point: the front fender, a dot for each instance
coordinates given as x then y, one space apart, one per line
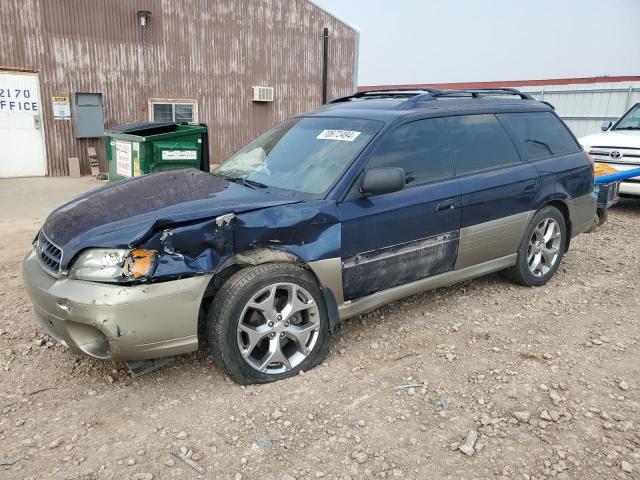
303 233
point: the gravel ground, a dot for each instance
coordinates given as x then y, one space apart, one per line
482 380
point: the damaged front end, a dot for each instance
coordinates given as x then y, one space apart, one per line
137 288
192 249
115 321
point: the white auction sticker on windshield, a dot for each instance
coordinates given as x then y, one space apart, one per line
344 135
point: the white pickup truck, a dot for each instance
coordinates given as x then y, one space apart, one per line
618 146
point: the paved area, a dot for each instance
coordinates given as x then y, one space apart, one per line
35 197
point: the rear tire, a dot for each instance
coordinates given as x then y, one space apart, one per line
542 248
268 322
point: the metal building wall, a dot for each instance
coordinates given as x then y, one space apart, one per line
211 51
585 107
584 103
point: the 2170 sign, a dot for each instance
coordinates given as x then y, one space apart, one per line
17 100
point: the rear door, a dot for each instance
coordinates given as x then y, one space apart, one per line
498 188
396 238
565 171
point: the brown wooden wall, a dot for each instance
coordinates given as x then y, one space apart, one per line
212 51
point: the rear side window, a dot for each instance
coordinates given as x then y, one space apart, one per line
421 148
541 133
480 142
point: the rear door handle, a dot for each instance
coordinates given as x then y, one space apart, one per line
530 186
446 205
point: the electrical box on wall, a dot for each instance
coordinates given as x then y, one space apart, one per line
262 94
88 116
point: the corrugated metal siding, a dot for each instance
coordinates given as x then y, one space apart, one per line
585 107
584 103
212 51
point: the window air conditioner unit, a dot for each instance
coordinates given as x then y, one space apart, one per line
262 94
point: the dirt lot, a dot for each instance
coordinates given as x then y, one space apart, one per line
528 383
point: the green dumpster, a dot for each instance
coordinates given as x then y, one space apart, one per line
138 148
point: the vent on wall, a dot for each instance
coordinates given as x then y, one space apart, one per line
262 94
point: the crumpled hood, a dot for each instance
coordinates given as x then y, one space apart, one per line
121 214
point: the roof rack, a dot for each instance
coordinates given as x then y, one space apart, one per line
418 94
388 93
478 92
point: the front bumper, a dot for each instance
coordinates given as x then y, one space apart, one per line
630 188
117 322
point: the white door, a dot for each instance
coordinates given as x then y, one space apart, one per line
21 141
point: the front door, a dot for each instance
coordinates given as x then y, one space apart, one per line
397 238
21 141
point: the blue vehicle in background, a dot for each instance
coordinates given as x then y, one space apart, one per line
377 196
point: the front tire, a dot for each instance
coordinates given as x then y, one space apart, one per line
541 250
268 322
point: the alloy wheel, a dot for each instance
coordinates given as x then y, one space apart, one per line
544 247
278 328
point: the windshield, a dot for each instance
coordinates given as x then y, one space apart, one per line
306 155
631 121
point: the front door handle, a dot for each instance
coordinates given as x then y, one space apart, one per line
446 205
530 186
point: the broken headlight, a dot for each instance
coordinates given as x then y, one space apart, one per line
113 265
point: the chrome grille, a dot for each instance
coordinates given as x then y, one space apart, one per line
620 158
615 155
49 255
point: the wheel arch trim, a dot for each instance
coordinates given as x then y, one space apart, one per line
562 203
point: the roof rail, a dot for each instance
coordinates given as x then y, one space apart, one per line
416 95
478 92
387 93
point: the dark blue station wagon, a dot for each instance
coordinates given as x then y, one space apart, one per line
375 197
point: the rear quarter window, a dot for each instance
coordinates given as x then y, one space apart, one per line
541 134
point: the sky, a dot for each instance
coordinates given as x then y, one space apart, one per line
434 41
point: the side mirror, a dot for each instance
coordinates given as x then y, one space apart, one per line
382 180
606 125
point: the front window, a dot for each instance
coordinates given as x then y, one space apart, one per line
421 148
306 155
631 121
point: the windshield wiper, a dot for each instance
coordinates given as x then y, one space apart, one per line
248 183
627 128
253 183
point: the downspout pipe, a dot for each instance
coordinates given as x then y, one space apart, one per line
325 63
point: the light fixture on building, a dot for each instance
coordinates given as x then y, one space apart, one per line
144 17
